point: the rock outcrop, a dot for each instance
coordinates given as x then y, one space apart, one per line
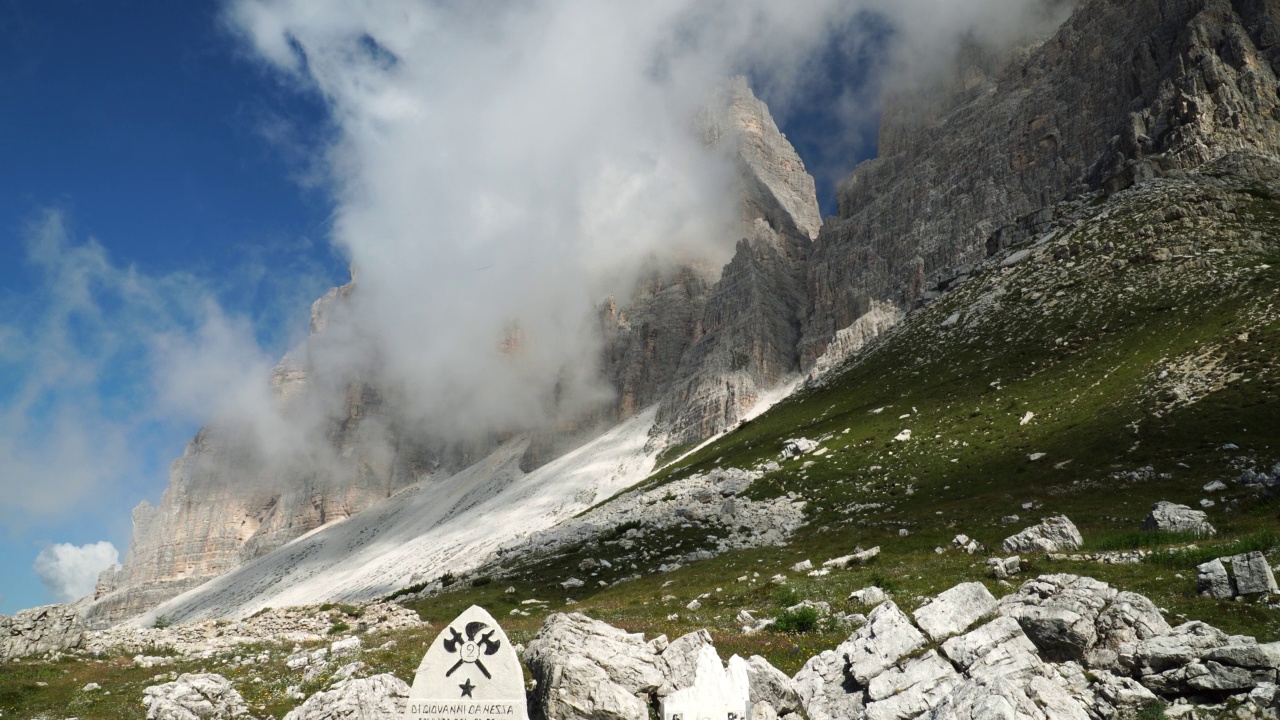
198 696
646 339
1122 92
746 337
773 182
1062 646
586 669
716 501
1172 517
380 696
51 628
1253 574
1052 535
704 341
955 610
1212 580
1082 619
230 498
292 625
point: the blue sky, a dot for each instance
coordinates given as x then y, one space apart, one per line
146 128
154 170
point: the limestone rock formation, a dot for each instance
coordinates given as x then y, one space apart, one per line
747 340
879 319
1253 574
382 695
955 610
1015 666
1052 535
878 645
231 498
587 669
1212 580
745 336
706 341
774 183
1000 659
202 696
1120 93
290 625
646 338
1082 619
50 628
1172 517
770 686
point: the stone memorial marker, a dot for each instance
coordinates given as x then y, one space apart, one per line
470 672
716 693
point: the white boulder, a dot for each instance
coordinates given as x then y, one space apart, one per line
379 696
199 696
1054 534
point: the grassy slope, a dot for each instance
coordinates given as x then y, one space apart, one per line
1081 346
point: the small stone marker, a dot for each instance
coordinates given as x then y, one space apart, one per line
470 672
716 693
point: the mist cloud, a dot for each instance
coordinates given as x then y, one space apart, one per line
499 168
70 572
105 358
508 165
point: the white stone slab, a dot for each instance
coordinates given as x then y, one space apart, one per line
716 693
470 672
952 612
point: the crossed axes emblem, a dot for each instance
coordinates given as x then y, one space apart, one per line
470 648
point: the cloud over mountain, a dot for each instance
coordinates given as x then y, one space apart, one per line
508 165
69 571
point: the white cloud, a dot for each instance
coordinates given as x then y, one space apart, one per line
501 164
495 165
105 359
69 572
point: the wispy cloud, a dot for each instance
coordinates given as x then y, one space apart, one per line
493 165
509 164
96 356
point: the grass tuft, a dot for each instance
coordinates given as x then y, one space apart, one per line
1261 540
797 621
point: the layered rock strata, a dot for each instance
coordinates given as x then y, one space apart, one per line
706 341
1062 646
51 628
711 344
1123 92
234 495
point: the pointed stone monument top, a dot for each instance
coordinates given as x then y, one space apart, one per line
470 672
717 693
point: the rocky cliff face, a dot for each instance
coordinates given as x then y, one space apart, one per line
745 340
707 342
47 629
646 339
749 330
228 502
1121 93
